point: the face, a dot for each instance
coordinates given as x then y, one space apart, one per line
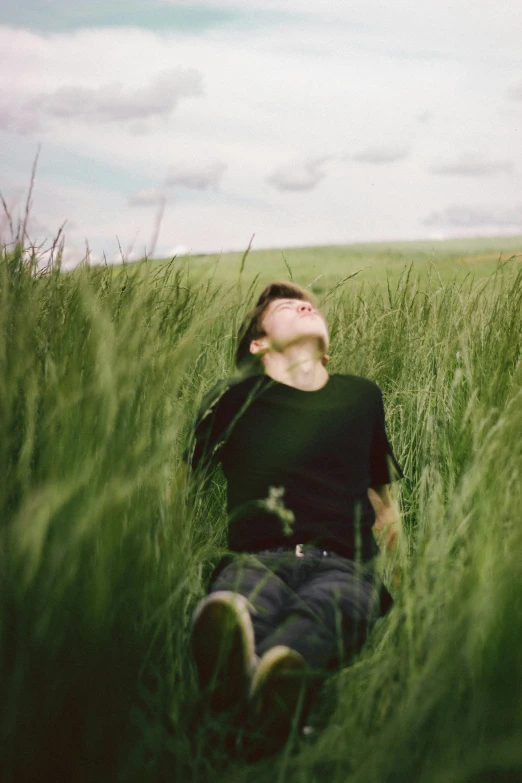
287 321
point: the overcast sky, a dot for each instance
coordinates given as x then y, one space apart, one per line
300 121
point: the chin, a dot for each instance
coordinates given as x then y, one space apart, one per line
325 345
315 330
319 335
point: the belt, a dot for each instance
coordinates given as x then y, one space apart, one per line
302 550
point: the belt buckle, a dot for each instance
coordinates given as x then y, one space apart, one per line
299 550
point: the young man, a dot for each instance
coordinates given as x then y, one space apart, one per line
307 463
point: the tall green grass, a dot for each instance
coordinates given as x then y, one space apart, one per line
103 554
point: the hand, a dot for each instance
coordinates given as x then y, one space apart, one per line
386 523
397 575
391 535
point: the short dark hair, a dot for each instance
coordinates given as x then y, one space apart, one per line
252 327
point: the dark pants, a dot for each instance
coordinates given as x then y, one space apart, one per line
320 604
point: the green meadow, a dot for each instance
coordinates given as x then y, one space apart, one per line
326 266
104 553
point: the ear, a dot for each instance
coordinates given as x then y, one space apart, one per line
261 344
325 360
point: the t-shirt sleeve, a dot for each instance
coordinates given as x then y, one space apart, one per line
201 448
384 468
205 442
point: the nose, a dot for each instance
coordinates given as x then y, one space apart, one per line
303 306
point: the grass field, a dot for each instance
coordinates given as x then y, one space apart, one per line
103 557
368 262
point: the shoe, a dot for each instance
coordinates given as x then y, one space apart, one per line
279 701
224 649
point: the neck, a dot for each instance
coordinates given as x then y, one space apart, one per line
300 365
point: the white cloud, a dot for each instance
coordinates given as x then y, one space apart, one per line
381 155
18 118
471 167
304 175
193 175
117 103
482 218
425 117
174 251
516 92
148 197
197 175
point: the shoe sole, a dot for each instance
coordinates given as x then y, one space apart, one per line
278 701
223 649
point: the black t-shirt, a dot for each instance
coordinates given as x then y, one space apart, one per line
298 463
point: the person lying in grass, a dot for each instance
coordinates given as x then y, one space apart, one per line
308 464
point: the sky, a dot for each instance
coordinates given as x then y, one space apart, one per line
166 126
